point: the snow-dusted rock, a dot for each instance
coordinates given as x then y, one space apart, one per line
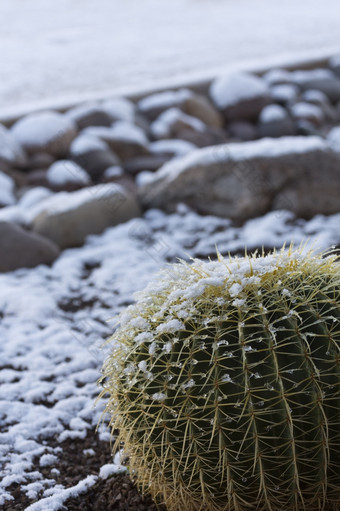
67 218
243 180
11 152
120 109
48 131
277 77
66 172
174 123
195 105
201 107
92 154
304 111
320 79
23 249
274 121
319 98
89 114
240 96
285 93
155 104
124 138
7 187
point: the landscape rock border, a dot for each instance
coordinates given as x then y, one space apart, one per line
206 146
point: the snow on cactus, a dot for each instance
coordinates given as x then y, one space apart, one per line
224 384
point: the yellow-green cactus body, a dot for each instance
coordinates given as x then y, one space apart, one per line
224 383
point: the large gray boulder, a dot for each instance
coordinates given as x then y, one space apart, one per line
244 180
67 218
24 249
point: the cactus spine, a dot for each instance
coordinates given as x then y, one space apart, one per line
224 384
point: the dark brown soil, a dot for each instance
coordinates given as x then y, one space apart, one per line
117 493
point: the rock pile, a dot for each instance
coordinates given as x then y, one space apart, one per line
250 145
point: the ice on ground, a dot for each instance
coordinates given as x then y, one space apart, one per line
231 89
7 187
66 171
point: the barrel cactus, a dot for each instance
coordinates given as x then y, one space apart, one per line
224 384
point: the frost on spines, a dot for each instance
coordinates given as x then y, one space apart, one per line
224 382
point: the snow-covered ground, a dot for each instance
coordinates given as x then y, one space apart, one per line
71 47
53 322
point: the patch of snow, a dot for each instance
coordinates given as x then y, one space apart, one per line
56 501
172 326
7 187
47 459
272 113
164 100
111 469
66 171
232 89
